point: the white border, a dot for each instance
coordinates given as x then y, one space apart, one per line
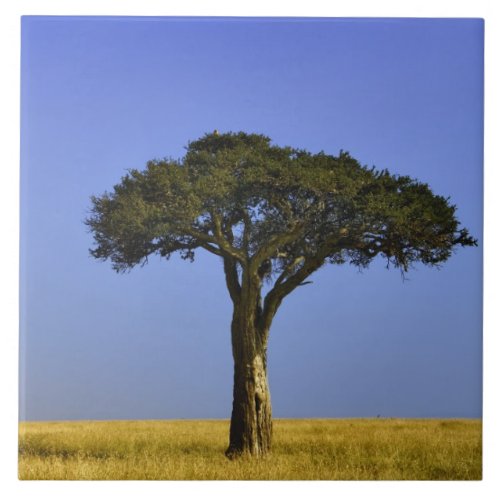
9 184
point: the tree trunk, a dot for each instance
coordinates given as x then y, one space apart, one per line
251 426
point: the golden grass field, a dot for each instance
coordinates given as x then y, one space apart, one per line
349 449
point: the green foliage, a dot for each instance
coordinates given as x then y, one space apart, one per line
281 210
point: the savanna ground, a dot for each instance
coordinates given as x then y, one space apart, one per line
351 449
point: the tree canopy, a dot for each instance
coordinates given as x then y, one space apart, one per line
281 210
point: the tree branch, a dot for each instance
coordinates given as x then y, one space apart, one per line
223 243
202 237
288 269
275 242
247 224
285 285
217 245
232 282
281 290
211 249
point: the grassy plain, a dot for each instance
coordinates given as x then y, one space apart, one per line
350 449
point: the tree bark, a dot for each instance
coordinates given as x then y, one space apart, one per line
251 425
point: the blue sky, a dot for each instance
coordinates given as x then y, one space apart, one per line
101 95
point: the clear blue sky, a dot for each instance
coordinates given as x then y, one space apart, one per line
101 95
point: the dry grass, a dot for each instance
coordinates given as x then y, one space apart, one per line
302 449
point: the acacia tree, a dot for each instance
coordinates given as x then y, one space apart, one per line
273 215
